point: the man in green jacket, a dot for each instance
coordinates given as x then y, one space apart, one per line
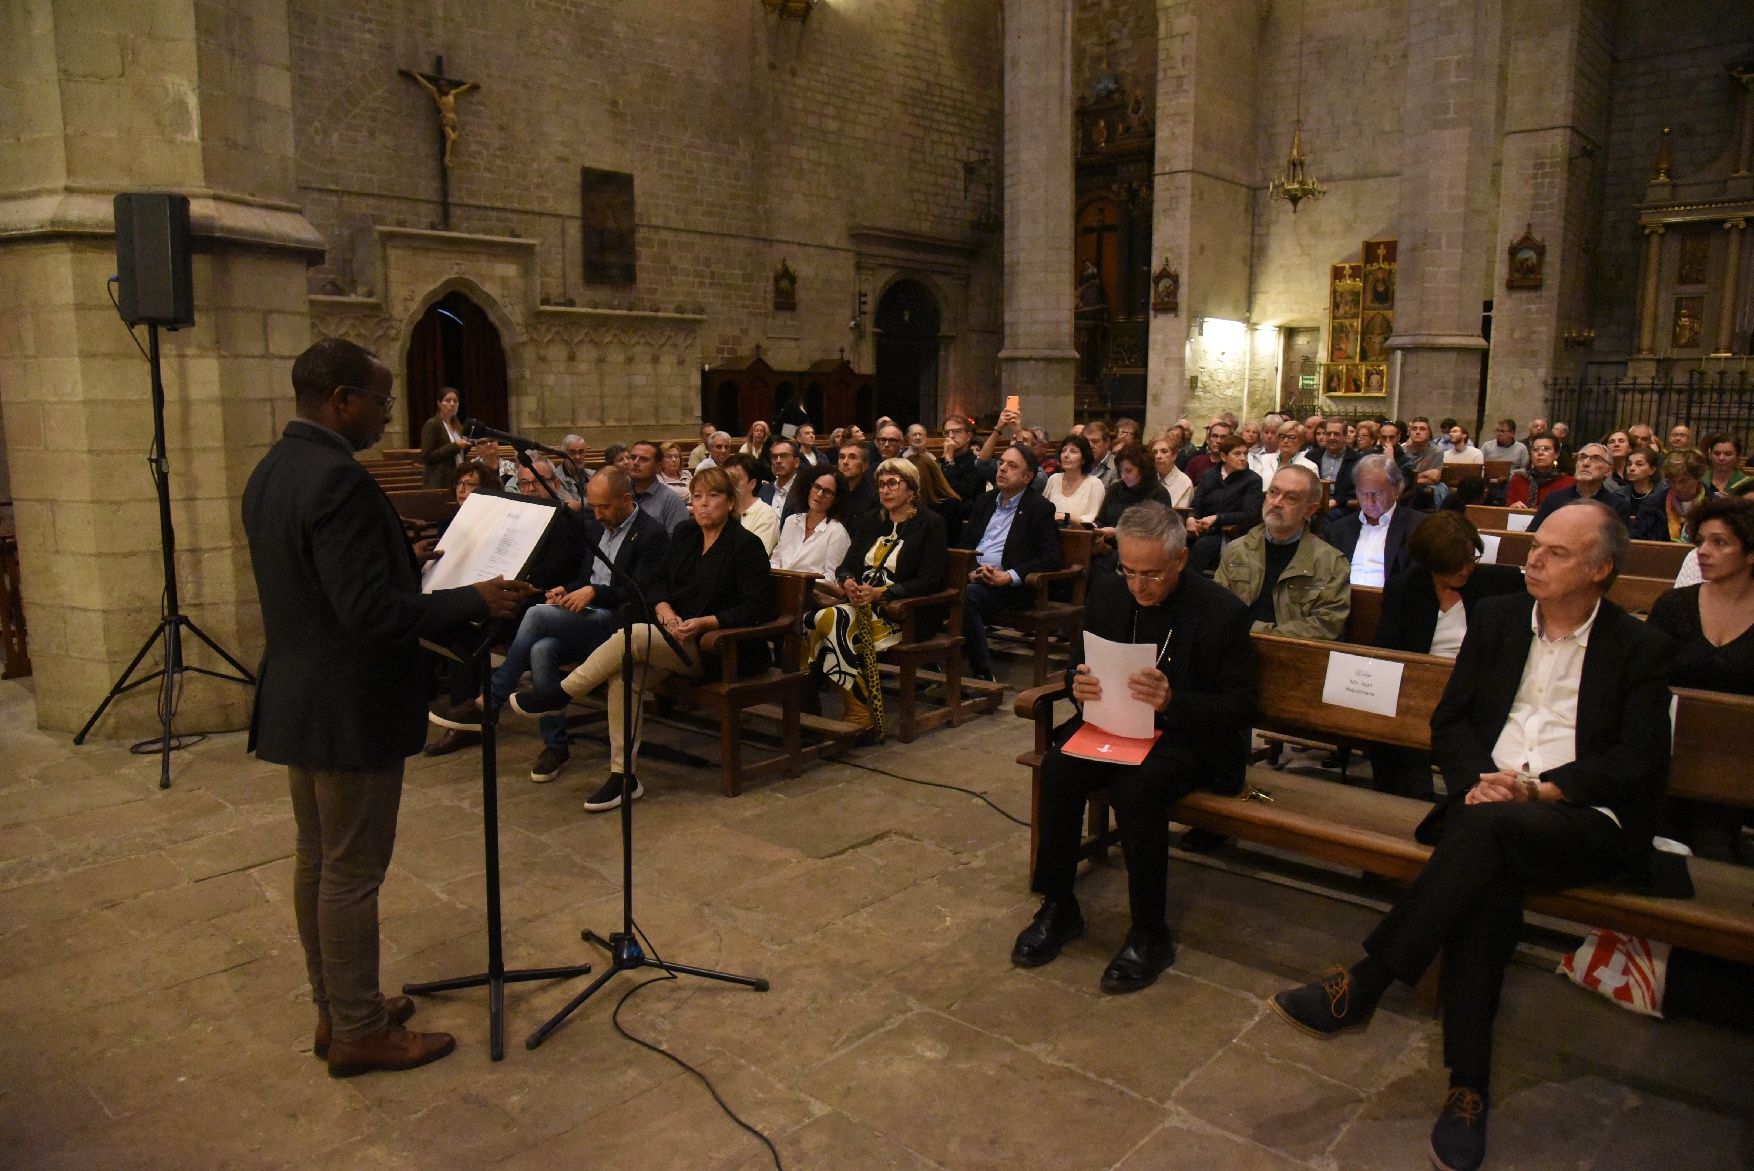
1294 583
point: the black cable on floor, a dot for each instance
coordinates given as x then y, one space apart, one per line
981 797
615 1019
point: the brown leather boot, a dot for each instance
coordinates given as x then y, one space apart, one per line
858 713
390 1048
400 1009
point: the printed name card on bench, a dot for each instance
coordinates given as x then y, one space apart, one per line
1362 683
1518 522
1489 554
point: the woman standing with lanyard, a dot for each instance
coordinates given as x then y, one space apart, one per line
442 444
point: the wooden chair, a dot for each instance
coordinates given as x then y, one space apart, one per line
1044 617
1456 475
906 658
776 693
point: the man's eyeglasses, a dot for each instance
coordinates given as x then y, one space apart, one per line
1147 577
385 400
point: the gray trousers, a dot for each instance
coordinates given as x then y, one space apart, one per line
346 830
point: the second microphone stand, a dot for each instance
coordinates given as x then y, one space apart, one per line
623 946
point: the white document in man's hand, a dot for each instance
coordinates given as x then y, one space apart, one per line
491 536
1117 712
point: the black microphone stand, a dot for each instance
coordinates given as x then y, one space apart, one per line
174 621
625 952
495 977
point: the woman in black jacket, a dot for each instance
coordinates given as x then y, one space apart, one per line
898 551
1136 481
1425 610
715 577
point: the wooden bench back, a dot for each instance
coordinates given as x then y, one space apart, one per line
1366 611
1289 673
431 505
1711 747
1635 595
1654 559
1488 516
1454 474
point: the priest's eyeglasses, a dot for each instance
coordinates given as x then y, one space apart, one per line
1147 576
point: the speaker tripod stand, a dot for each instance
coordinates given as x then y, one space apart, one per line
174 623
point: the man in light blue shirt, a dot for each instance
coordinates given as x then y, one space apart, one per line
1013 533
653 498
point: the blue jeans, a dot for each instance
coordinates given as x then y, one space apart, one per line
547 638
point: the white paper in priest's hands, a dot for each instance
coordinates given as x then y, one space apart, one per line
1117 712
491 536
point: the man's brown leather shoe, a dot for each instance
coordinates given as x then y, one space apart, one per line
390 1048
399 1008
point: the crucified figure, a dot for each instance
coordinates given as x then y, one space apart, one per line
444 94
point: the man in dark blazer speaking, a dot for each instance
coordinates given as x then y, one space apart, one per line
1202 688
339 697
1012 533
1553 739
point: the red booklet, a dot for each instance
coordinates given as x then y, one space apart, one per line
1092 743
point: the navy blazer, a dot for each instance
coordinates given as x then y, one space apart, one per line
640 557
1032 545
1622 759
1343 492
1342 534
342 684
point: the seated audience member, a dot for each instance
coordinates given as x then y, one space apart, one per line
615 456
1102 462
1075 494
468 478
1506 446
573 465
1422 460
937 494
653 498
916 441
756 443
814 540
1680 437
1374 539
1135 482
1561 433
897 551
1725 456
1548 789
1460 450
1589 482
1176 484
1334 465
1641 477
702 450
1663 515
854 464
673 472
1127 432
1250 433
808 456
962 468
1293 582
1226 499
1207 457
784 491
1202 689
1425 610
1012 532
714 576
756 516
1530 488
1619 445
1286 449
719 448
1644 435
1712 624
577 616
1047 456
886 443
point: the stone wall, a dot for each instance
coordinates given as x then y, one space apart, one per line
752 141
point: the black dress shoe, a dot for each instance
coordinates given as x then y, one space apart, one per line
1058 923
1324 1009
1139 962
1458 1140
451 741
533 702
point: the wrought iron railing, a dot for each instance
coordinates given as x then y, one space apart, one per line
1594 408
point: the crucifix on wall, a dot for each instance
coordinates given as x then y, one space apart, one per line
444 92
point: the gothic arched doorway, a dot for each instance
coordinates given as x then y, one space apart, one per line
907 327
455 344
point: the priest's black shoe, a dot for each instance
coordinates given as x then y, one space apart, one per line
1458 1141
1058 923
1140 961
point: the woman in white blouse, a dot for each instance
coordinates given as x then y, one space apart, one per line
1075 495
815 540
1175 481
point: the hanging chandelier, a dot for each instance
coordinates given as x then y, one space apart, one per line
1296 184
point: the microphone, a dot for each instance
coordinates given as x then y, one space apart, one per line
476 429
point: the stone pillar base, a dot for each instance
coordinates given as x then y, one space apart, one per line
1043 381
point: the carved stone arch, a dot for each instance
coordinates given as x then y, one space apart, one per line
490 401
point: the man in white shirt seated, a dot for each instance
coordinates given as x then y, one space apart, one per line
786 493
1553 740
1374 539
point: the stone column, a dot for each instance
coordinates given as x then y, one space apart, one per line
1450 142
1203 203
1038 363
1647 290
1556 103
1731 295
1745 140
170 96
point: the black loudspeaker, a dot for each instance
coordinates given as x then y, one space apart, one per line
152 259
